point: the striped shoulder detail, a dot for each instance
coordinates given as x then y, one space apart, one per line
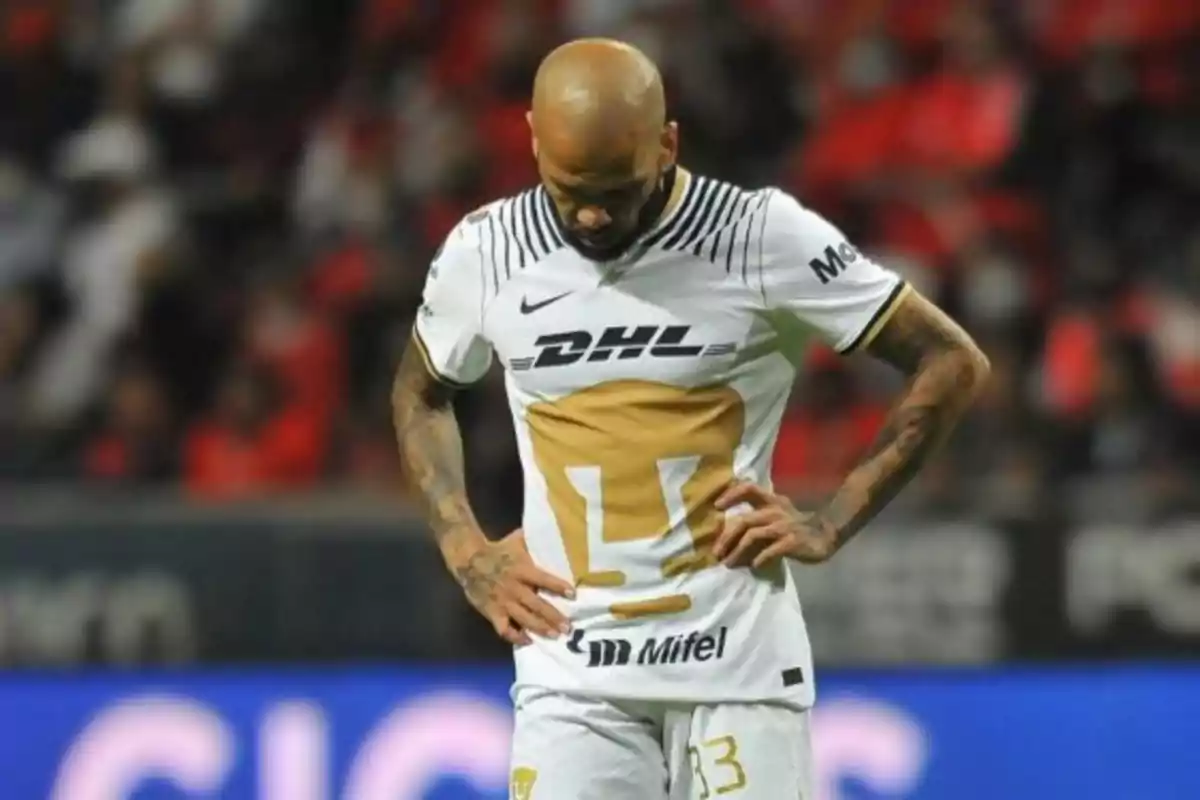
748 236
716 221
518 231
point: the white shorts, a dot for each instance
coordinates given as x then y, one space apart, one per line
568 747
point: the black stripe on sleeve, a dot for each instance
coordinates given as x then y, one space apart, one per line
720 219
511 240
524 228
737 215
698 189
482 276
758 209
880 313
762 236
429 367
685 203
536 224
492 236
550 215
704 203
707 223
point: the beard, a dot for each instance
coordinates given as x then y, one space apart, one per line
607 247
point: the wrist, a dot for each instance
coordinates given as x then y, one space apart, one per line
828 531
460 544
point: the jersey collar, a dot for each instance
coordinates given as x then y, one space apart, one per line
655 217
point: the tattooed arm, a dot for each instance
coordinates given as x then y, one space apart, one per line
431 453
945 372
447 349
499 578
812 275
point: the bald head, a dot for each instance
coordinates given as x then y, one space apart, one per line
600 129
597 94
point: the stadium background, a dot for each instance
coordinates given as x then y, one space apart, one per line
215 218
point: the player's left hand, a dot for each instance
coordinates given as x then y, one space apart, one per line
771 530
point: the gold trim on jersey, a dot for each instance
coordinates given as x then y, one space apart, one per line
880 318
428 361
681 199
633 460
671 604
683 179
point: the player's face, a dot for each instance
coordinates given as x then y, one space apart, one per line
602 207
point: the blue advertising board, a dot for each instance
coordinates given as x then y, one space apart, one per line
1105 733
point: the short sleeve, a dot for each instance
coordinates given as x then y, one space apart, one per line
810 271
449 327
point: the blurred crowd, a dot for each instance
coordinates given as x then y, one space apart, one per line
216 216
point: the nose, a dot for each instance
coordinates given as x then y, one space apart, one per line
592 218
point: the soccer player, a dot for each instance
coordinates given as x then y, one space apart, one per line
649 322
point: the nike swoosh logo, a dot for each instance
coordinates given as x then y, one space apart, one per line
528 307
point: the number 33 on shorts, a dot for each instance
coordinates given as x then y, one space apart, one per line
717 758
742 766
713 769
743 751
576 748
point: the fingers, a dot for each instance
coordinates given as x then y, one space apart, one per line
526 572
549 621
529 622
540 579
508 631
515 608
743 492
758 536
751 542
736 526
775 551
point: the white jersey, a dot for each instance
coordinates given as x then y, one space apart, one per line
639 389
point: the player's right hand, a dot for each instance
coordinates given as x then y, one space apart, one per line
503 583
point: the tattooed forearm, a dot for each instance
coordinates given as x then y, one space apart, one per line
946 371
498 578
431 449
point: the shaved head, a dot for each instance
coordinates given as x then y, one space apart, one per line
601 137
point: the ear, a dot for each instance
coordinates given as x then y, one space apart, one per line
532 136
670 143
